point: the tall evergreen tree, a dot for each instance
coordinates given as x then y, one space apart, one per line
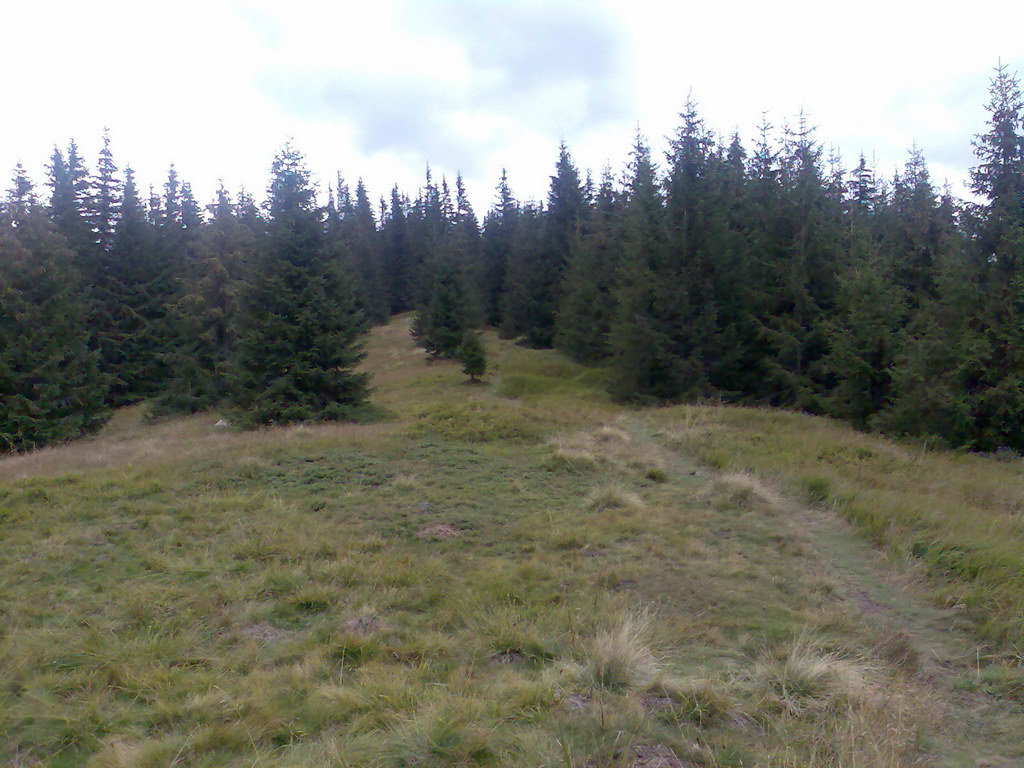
522 297
399 268
441 321
70 202
918 227
999 175
563 228
202 317
106 198
498 234
464 248
300 331
801 280
361 245
864 336
646 365
50 386
588 301
961 375
133 298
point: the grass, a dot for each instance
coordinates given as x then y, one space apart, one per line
514 574
960 515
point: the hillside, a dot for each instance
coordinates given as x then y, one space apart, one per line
517 573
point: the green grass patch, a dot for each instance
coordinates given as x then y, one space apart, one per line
520 577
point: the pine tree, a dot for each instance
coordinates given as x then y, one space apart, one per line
203 315
588 301
499 231
50 386
441 321
365 258
961 374
521 301
801 275
69 205
21 196
398 261
106 198
864 336
562 230
918 227
645 362
132 300
300 332
464 249
999 175
473 356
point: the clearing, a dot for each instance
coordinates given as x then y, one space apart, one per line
518 573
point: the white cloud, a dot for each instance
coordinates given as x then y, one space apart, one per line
377 90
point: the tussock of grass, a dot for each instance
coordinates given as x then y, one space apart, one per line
571 454
610 434
619 659
612 497
743 490
441 739
700 701
805 678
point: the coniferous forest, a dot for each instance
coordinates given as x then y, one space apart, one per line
769 273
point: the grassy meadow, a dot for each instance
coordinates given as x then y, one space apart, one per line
515 573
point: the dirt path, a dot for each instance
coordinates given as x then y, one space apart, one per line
978 729
943 659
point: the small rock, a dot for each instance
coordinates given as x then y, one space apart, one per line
222 423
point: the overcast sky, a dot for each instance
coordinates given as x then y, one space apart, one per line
378 89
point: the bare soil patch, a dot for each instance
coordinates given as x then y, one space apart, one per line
438 532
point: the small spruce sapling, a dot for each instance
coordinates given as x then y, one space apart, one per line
472 355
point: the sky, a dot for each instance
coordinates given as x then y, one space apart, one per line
377 90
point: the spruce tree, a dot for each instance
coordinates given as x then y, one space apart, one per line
961 374
300 331
918 227
645 363
498 232
999 175
106 198
133 296
50 386
464 248
588 301
523 298
801 274
864 336
562 230
441 321
473 356
203 315
70 204
398 265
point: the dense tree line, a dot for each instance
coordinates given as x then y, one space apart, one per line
770 274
